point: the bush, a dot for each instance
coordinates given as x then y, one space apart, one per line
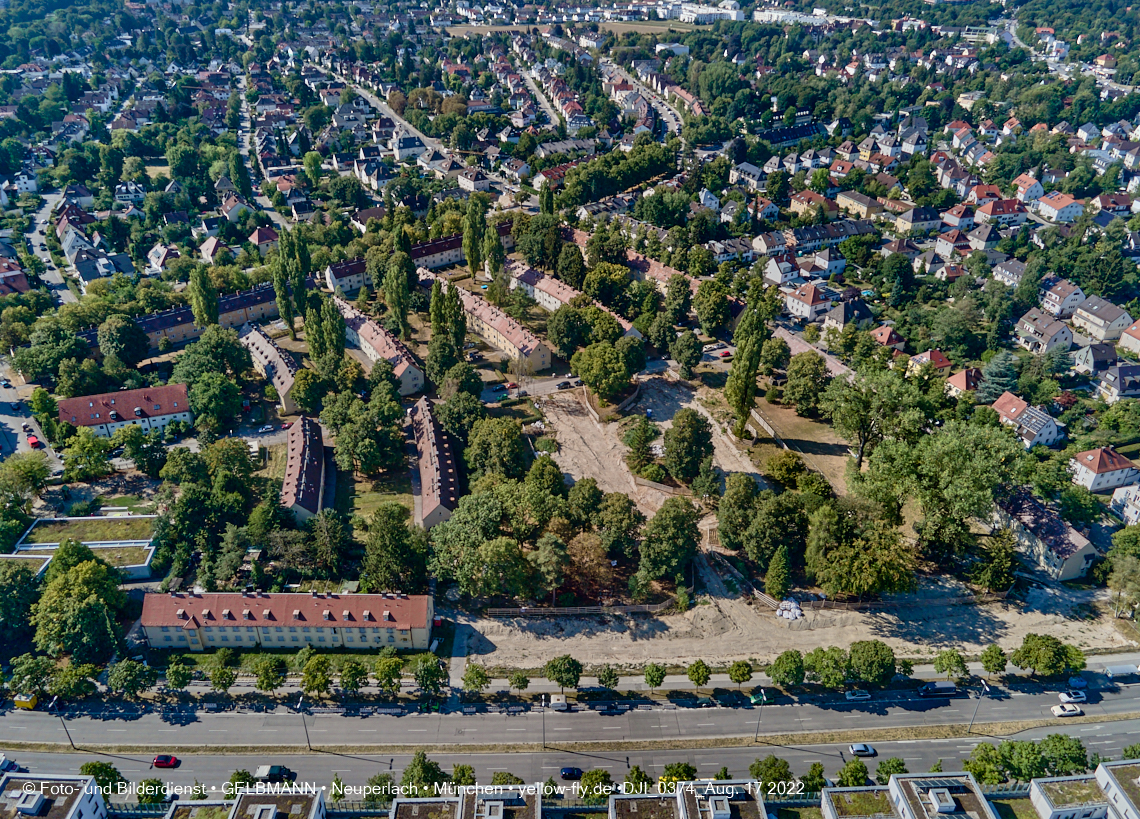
655 473
85 508
546 444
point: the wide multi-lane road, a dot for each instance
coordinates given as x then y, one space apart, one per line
902 711
213 768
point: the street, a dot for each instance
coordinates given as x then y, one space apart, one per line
244 143
669 115
52 276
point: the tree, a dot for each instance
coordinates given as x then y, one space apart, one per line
222 678
951 663
871 661
787 669
740 672
75 614
770 771
463 776
1064 755
495 446
654 675
203 297
519 681
564 671
601 368
852 775
216 401
698 673
19 589
75 682
85 456
429 675
993 659
397 295
570 267
316 676
596 786
871 407
106 775
887 768
774 355
130 678
995 571
270 674
711 306
607 677
120 337
30 675
736 509
353 677
239 780
686 351
422 776
688 441
475 678
827 666
776 580
638 781
388 673
151 792
474 227
678 772
1045 654
670 540
814 780
998 376
751 333
807 379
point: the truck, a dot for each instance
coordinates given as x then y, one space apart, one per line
1114 671
939 688
272 773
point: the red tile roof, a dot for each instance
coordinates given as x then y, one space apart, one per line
1103 460
151 402
377 610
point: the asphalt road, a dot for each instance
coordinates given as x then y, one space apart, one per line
52 276
245 143
284 727
667 113
214 768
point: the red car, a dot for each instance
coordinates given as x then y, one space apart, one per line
165 761
34 442
725 354
512 386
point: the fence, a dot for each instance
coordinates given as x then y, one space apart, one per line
862 605
570 611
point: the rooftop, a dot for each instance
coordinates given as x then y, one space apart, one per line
1072 791
860 802
91 530
60 795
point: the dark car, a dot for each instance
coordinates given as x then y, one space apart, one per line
577 382
563 385
165 761
571 773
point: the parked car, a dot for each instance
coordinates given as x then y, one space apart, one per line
34 442
165 761
726 354
1078 682
571 773
1066 710
7 764
6 384
857 695
1073 696
861 749
577 382
266 428
563 385
511 385
273 773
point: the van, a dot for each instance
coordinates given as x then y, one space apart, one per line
941 688
1114 671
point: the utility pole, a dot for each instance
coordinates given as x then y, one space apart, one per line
63 722
985 690
304 724
544 722
759 714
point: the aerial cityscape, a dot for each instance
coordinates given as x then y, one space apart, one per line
638 409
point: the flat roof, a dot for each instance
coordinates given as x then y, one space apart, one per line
61 794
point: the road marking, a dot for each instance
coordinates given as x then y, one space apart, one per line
218 730
563 729
420 730
366 730
705 724
116 730
516 729
612 728
342 770
267 730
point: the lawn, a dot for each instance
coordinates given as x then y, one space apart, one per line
115 555
247 660
815 441
155 171
799 813
276 455
134 504
92 530
1076 792
362 496
866 803
1014 808
523 411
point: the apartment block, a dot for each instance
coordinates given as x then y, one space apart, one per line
378 344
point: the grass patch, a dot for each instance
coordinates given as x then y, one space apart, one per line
135 504
363 496
276 456
1074 792
247 660
91 530
116 555
799 813
865 803
155 171
1014 808
522 411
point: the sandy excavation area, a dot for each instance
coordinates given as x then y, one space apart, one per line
722 630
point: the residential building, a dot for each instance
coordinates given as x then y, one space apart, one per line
1126 504
497 328
189 620
551 293
1121 381
724 799
888 337
275 365
1095 358
506 802
1010 272
151 408
55 796
1069 797
438 486
808 302
1042 535
1033 425
1028 188
1060 297
303 487
935 358
264 239
918 220
474 179
807 202
858 204
854 311
1130 338
1101 320
1039 333
1003 212
1102 469
377 343
963 382
1059 207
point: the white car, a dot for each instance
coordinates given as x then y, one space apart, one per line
856 695
862 749
1066 710
266 428
1072 696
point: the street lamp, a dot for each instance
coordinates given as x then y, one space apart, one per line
304 724
544 722
985 690
64 724
759 714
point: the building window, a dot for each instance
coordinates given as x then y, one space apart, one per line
321 638
292 628
167 638
278 628
294 638
349 639
225 639
305 629
165 628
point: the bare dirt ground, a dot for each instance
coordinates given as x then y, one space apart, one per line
588 449
722 630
